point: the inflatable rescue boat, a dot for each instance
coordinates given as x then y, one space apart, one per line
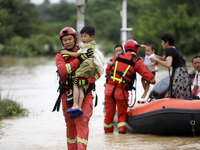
165 116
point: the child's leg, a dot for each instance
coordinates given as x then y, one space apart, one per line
75 97
144 87
143 83
147 87
81 97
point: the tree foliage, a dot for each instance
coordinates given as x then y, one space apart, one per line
18 17
61 12
158 17
31 27
105 17
149 20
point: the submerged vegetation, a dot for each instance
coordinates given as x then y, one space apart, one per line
10 108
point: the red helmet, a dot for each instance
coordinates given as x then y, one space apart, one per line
68 31
131 44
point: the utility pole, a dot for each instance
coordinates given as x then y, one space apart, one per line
80 18
126 33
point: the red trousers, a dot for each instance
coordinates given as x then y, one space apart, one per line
110 108
78 129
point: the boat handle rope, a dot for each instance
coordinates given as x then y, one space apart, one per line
192 122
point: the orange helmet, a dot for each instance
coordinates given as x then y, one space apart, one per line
68 31
131 45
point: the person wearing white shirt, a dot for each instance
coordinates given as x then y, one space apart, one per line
149 53
196 83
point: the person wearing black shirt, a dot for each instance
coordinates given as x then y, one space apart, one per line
180 83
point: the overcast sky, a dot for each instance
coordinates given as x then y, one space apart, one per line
51 1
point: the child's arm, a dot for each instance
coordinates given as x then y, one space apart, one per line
109 62
109 65
142 46
133 53
151 64
73 54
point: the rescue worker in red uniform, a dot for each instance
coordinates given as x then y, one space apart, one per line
120 79
77 130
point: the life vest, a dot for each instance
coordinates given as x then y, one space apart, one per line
65 84
122 71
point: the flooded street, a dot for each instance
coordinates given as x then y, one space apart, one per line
33 83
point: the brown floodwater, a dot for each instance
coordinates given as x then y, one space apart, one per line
33 83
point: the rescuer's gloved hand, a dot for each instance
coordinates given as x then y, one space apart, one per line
87 55
80 81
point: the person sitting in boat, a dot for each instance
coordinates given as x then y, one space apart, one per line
120 79
192 76
196 83
180 83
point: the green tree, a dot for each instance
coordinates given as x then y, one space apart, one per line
61 12
6 28
46 4
105 17
158 17
18 17
149 19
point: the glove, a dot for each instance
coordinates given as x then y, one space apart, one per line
80 81
87 55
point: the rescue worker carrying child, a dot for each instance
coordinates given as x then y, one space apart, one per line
120 80
77 129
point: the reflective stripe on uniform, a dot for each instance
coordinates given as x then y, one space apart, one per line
82 141
115 70
121 124
71 141
152 80
77 139
96 76
108 125
114 74
68 67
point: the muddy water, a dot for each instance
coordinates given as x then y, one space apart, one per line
33 83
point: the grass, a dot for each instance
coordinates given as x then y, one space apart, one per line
10 108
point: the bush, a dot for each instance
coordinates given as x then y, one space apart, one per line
9 108
36 45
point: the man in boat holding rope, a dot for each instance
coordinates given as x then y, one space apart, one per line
120 80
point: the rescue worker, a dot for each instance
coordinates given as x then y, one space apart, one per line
120 79
77 130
